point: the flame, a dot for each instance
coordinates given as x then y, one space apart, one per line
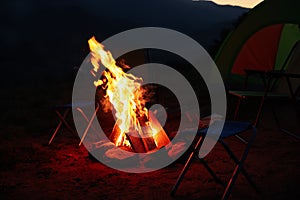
123 90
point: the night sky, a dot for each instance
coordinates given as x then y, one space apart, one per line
43 37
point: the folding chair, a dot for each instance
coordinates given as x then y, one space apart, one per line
62 112
230 129
270 79
273 82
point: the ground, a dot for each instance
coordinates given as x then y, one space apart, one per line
31 169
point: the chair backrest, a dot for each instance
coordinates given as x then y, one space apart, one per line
279 85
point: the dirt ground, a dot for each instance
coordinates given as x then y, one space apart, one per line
30 169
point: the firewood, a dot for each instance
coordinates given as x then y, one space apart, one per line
136 143
160 136
150 136
115 133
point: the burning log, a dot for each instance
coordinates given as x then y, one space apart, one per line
144 135
143 142
150 137
159 135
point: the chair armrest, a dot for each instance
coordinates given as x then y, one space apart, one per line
236 94
242 94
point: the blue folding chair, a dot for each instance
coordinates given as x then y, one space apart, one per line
231 128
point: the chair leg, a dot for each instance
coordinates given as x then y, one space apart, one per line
279 125
237 162
186 166
58 126
237 108
289 133
231 182
63 120
277 121
239 168
262 101
212 173
89 125
241 139
86 118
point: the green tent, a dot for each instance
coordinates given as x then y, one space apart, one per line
265 39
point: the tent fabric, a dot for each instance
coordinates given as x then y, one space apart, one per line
266 14
293 66
260 51
289 36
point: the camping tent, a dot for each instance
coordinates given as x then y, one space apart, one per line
265 39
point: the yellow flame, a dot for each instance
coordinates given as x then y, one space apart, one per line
123 90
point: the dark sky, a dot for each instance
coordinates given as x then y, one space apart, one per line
43 36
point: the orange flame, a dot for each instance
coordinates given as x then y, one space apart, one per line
123 90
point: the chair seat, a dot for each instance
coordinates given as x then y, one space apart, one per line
230 128
234 127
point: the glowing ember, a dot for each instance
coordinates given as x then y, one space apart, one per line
125 93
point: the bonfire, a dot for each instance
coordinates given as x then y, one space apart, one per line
136 128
